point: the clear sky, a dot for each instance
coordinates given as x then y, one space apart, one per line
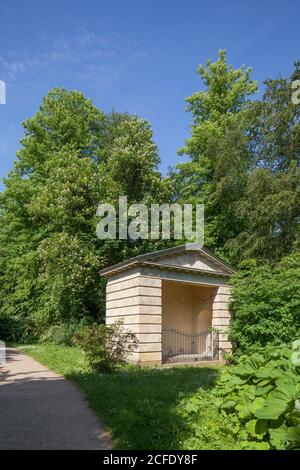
138 56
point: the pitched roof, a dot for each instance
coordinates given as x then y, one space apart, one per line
152 259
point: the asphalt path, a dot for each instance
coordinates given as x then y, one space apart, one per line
42 410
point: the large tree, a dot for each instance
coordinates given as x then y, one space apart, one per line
244 164
73 158
268 213
216 111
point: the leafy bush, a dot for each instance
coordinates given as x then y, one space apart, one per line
61 334
202 424
265 306
11 329
261 396
106 346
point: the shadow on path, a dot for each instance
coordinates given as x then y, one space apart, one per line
41 410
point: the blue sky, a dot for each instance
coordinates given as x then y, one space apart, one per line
135 56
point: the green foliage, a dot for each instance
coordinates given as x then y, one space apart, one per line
268 214
216 113
146 407
265 306
72 158
207 428
132 159
268 210
261 397
61 334
244 164
227 91
11 329
106 346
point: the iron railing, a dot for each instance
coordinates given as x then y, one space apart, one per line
183 346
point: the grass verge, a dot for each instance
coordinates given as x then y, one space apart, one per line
145 407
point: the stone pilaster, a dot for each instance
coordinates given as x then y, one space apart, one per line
221 318
137 301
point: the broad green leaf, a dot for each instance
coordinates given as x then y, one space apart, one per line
261 426
257 428
260 391
257 404
278 437
293 418
250 426
272 409
296 358
296 345
268 372
293 434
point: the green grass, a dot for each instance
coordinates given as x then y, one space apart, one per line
143 407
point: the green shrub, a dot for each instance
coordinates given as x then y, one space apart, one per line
261 396
60 334
105 346
11 328
265 306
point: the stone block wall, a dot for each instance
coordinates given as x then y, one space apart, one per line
137 300
221 317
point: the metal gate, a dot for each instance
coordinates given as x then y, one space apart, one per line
183 346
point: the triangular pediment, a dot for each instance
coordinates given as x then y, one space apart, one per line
196 259
191 256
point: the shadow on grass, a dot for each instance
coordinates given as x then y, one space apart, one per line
138 405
